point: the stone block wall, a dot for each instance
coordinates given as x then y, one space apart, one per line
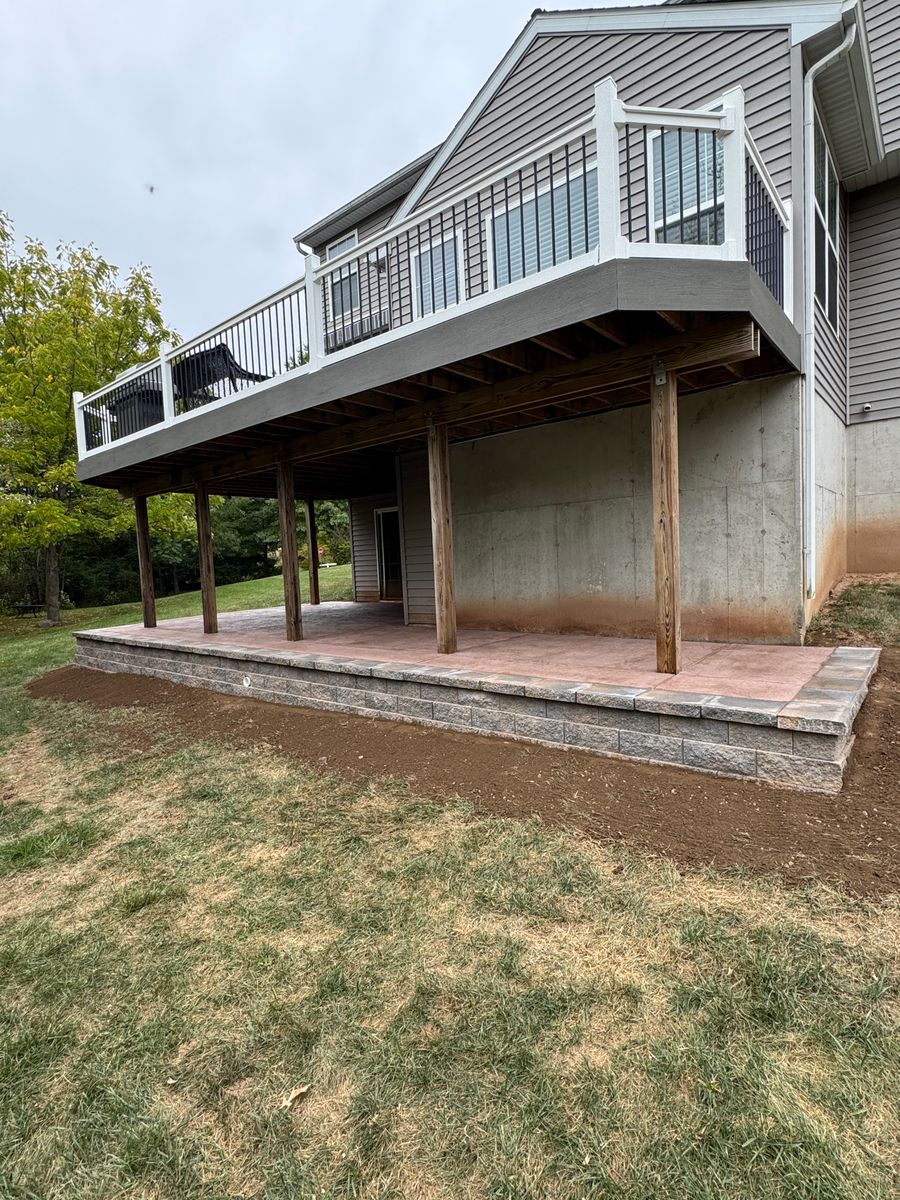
801 744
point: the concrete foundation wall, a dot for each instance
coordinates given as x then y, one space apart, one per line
873 461
831 503
553 525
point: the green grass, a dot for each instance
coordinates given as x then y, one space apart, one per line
483 1009
27 650
868 611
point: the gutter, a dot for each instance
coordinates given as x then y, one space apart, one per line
809 309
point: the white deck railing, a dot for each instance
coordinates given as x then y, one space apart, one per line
689 184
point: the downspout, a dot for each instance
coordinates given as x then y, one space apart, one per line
809 310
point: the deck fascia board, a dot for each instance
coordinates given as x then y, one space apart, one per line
644 285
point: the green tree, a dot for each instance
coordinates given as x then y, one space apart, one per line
68 322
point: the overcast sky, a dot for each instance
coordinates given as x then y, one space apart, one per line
248 119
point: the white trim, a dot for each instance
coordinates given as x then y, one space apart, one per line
455 236
803 18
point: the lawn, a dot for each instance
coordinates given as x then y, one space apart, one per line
226 975
866 612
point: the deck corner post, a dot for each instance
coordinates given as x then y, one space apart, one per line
145 564
287 517
442 536
312 549
167 383
666 541
207 564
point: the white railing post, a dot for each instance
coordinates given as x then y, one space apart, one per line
80 439
788 302
608 115
315 326
168 387
734 162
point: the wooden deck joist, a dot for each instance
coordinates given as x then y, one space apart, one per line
731 340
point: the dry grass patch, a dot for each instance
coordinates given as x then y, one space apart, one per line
483 1009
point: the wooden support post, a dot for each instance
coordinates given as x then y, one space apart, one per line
666 544
145 564
312 547
207 567
290 567
442 536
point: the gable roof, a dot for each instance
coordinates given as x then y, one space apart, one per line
369 202
805 18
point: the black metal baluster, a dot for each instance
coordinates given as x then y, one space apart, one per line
552 209
506 222
482 258
665 207
568 202
537 216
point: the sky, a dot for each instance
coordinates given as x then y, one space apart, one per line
197 137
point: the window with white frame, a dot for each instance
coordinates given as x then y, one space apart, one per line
688 195
827 225
557 225
436 275
345 291
342 245
344 280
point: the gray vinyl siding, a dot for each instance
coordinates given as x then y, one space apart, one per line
553 86
467 221
371 224
831 346
883 27
875 302
363 553
418 563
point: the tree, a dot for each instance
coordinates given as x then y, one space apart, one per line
68 322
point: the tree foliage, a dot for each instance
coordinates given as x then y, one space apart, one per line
68 322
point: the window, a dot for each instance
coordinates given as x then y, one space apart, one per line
436 274
827 221
345 279
345 292
558 225
688 187
342 245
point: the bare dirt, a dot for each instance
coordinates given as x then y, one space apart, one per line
851 840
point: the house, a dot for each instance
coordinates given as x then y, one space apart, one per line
618 357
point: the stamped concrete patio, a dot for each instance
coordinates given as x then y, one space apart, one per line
784 713
376 633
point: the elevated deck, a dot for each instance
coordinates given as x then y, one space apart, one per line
780 713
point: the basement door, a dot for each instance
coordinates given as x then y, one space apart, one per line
387 545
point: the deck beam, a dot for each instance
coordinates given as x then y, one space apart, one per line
290 567
145 563
666 541
733 339
442 536
207 563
